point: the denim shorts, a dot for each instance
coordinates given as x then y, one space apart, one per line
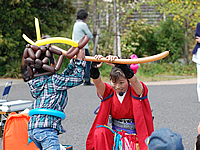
45 138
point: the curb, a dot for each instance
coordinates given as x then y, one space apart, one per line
173 82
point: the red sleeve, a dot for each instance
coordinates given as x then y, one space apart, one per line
144 92
107 92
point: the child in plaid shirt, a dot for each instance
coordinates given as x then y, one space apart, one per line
50 92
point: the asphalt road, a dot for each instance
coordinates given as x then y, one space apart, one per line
174 104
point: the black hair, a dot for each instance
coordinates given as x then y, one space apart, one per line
116 73
82 14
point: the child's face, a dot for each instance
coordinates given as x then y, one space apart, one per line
119 85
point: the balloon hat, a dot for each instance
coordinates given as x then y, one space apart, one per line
38 56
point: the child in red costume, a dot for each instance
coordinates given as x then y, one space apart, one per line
125 100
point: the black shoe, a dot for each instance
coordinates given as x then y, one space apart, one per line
85 83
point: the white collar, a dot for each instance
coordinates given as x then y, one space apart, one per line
121 98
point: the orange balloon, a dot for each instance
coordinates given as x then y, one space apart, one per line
123 61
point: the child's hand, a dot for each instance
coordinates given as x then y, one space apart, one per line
81 54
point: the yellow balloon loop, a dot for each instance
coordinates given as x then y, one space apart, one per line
37 27
57 40
28 40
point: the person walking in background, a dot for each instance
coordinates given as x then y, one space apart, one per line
81 29
196 58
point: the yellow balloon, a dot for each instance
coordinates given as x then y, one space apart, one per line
28 40
37 27
57 40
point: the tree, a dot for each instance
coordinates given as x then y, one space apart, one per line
104 16
17 17
183 11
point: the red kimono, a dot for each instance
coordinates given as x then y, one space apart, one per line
131 107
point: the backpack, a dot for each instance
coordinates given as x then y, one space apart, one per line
15 136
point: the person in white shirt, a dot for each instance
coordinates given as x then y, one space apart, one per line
196 58
81 29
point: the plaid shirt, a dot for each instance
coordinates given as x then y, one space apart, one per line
50 92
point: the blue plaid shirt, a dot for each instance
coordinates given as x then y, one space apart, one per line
50 92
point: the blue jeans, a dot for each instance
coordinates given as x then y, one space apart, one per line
88 64
45 138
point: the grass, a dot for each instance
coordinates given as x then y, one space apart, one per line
158 71
147 72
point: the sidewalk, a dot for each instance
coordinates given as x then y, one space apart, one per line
14 81
173 82
169 82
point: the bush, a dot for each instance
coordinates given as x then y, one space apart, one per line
138 39
13 69
143 39
169 36
17 17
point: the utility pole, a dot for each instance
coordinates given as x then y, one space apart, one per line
97 35
95 25
118 39
115 28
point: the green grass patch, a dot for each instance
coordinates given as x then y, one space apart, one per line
158 71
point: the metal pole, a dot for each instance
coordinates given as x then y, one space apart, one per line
118 39
115 28
94 25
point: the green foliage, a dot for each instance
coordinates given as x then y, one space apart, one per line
185 13
143 39
13 69
169 36
180 9
105 70
17 17
138 39
170 69
2 65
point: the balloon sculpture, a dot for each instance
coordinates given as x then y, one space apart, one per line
134 67
32 57
39 55
32 53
